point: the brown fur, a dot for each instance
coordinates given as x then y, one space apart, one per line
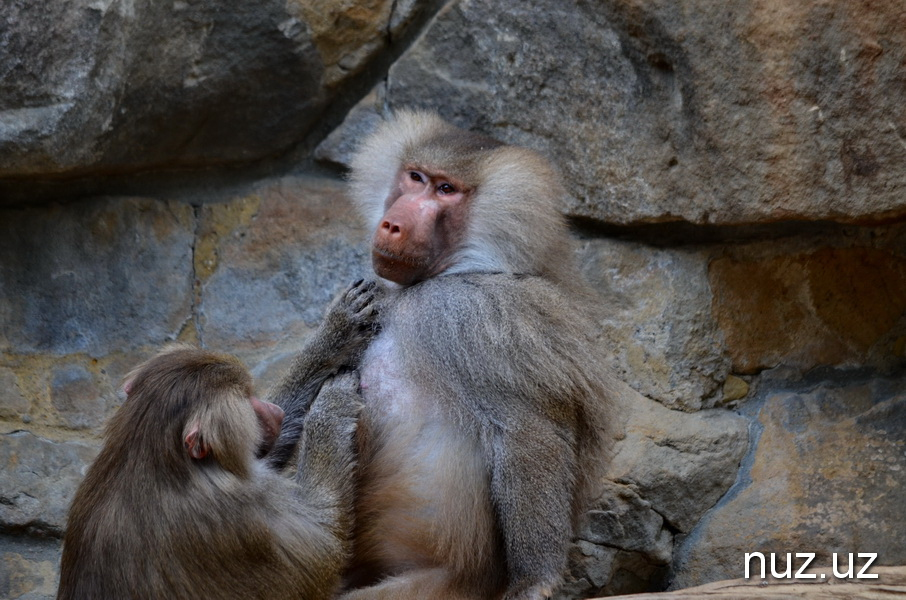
151 522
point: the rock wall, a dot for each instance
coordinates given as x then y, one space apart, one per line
736 187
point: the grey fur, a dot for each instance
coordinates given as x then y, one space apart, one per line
484 392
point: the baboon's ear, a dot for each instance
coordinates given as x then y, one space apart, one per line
195 444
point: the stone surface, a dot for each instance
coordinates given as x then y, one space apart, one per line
67 396
74 395
658 111
622 534
668 469
656 320
13 404
91 87
28 569
38 480
825 476
681 464
345 33
104 275
840 306
282 253
337 148
735 388
890 584
622 519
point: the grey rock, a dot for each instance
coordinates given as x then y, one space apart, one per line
825 476
590 570
657 112
38 480
29 568
277 271
105 275
622 519
680 463
600 568
668 469
363 119
116 85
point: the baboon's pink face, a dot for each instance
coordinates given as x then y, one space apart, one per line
423 225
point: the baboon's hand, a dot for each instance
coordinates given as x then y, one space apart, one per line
360 303
340 396
356 309
334 416
351 321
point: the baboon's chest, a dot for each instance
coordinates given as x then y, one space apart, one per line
423 478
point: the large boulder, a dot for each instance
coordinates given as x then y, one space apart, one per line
660 111
116 86
667 470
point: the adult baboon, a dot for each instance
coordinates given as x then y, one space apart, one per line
484 392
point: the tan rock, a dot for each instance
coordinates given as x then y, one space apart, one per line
345 32
655 315
833 306
735 388
826 477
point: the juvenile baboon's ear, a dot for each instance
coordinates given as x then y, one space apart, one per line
224 429
195 444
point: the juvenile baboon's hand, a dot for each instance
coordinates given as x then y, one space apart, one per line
332 421
339 397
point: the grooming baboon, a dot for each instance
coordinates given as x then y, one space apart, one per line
177 505
484 393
